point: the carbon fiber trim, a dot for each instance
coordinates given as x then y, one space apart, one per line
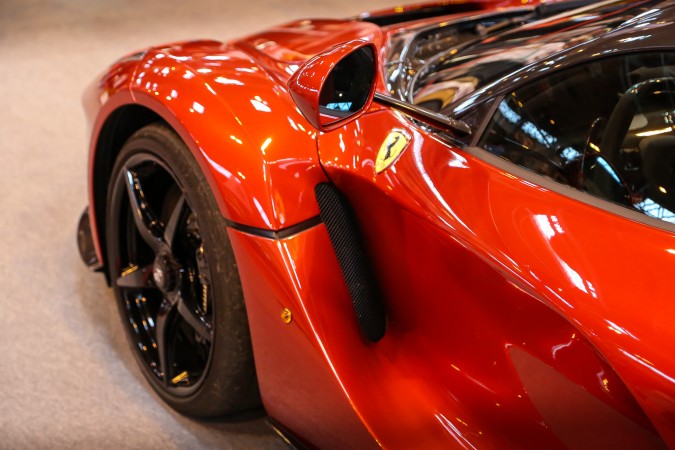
343 229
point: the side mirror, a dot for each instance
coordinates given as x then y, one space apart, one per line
336 85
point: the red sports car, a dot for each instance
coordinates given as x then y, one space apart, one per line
443 226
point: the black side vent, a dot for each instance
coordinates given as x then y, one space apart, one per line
337 215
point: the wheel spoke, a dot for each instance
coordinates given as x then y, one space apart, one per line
163 338
130 306
148 324
135 277
190 316
147 223
141 322
174 220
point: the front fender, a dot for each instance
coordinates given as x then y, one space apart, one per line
258 151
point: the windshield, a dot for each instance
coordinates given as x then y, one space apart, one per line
458 69
411 50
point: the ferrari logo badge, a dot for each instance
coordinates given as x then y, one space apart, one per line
391 149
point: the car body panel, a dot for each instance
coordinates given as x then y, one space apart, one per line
167 84
302 388
512 314
529 227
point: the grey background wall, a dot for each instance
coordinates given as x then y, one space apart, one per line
67 376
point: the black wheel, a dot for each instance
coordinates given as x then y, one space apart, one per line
175 278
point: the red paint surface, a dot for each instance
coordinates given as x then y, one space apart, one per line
475 264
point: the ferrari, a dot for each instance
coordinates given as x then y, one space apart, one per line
447 225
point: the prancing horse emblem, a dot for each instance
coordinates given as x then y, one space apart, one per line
392 147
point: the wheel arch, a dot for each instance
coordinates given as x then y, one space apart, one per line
117 128
256 150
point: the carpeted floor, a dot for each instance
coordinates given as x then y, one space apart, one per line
68 379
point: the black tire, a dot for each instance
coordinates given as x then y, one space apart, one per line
176 280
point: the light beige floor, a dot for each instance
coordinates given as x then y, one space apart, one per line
67 378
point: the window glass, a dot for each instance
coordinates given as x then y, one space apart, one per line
446 78
605 128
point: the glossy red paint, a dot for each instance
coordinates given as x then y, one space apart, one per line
546 315
185 85
510 317
301 385
164 83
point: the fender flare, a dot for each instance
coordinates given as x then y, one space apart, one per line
258 153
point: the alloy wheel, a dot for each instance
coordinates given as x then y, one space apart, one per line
162 275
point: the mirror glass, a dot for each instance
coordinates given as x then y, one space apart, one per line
348 86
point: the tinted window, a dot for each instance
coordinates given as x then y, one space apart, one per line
445 78
410 51
605 128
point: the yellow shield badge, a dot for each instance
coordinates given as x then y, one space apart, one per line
391 148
